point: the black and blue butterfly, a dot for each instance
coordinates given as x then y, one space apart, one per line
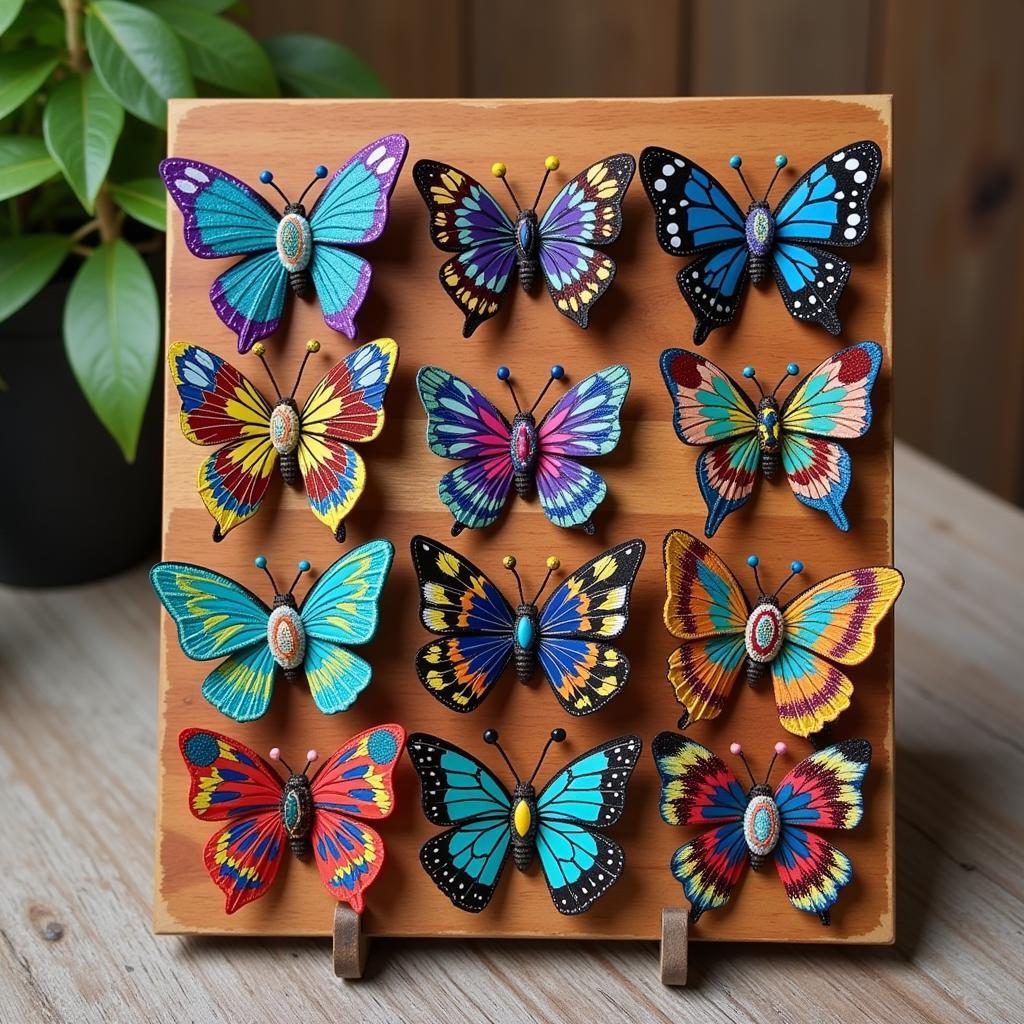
695 216
561 825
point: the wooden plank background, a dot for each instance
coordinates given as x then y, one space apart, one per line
651 489
958 89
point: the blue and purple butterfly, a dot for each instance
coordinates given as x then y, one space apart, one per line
695 216
749 826
291 251
467 220
462 424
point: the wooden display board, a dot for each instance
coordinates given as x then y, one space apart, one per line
651 489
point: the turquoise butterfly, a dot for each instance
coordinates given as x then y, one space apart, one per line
218 618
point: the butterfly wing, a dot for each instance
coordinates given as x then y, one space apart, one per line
463 424
347 405
695 215
710 866
586 212
229 782
461 605
466 861
354 782
465 219
579 863
824 790
249 297
702 673
220 407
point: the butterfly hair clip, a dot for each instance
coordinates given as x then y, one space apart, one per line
822 791
481 632
219 406
563 825
738 438
292 251
465 219
463 424
831 623
695 216
217 617
324 814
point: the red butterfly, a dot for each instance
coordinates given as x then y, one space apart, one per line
232 783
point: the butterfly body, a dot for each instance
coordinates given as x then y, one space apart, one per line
769 435
526 635
523 452
523 825
286 636
526 248
294 243
297 813
759 231
763 636
761 824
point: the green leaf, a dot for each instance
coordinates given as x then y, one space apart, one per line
26 264
112 338
81 126
21 75
138 58
210 6
24 163
145 199
9 10
310 66
218 51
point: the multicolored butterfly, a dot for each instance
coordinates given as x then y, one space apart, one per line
232 783
562 824
822 791
467 220
219 406
708 610
224 217
217 617
462 424
695 216
832 401
481 632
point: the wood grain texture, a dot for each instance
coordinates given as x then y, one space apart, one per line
77 749
651 489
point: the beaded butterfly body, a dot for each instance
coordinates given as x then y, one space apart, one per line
233 784
561 825
219 406
481 632
822 791
833 621
711 410
695 216
218 618
488 246
225 217
463 424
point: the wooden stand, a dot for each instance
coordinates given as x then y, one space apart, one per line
675 945
350 944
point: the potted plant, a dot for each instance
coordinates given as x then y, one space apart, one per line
83 113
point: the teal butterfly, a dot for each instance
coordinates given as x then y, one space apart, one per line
219 618
561 825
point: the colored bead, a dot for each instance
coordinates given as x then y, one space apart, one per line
792 369
553 563
499 170
735 749
312 345
551 163
311 755
303 566
490 736
261 561
321 171
748 372
557 372
275 753
781 161
780 747
557 735
509 561
503 373
796 566
735 161
266 177
753 561
259 348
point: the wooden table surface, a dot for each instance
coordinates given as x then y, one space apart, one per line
77 735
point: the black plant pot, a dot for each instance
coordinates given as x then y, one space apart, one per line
72 509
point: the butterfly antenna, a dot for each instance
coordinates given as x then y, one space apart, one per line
780 162
557 373
791 371
268 179
499 170
550 164
504 374
509 561
311 346
557 736
552 564
737 751
780 748
753 561
751 374
275 755
794 569
260 350
303 568
261 563
736 162
319 173
491 737
311 756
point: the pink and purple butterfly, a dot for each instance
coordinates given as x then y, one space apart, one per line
465 219
463 424
291 251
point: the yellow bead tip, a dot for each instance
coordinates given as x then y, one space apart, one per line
259 348
509 561
553 563
499 170
312 345
552 163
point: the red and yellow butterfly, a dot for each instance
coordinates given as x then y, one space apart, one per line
219 406
233 784
708 610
